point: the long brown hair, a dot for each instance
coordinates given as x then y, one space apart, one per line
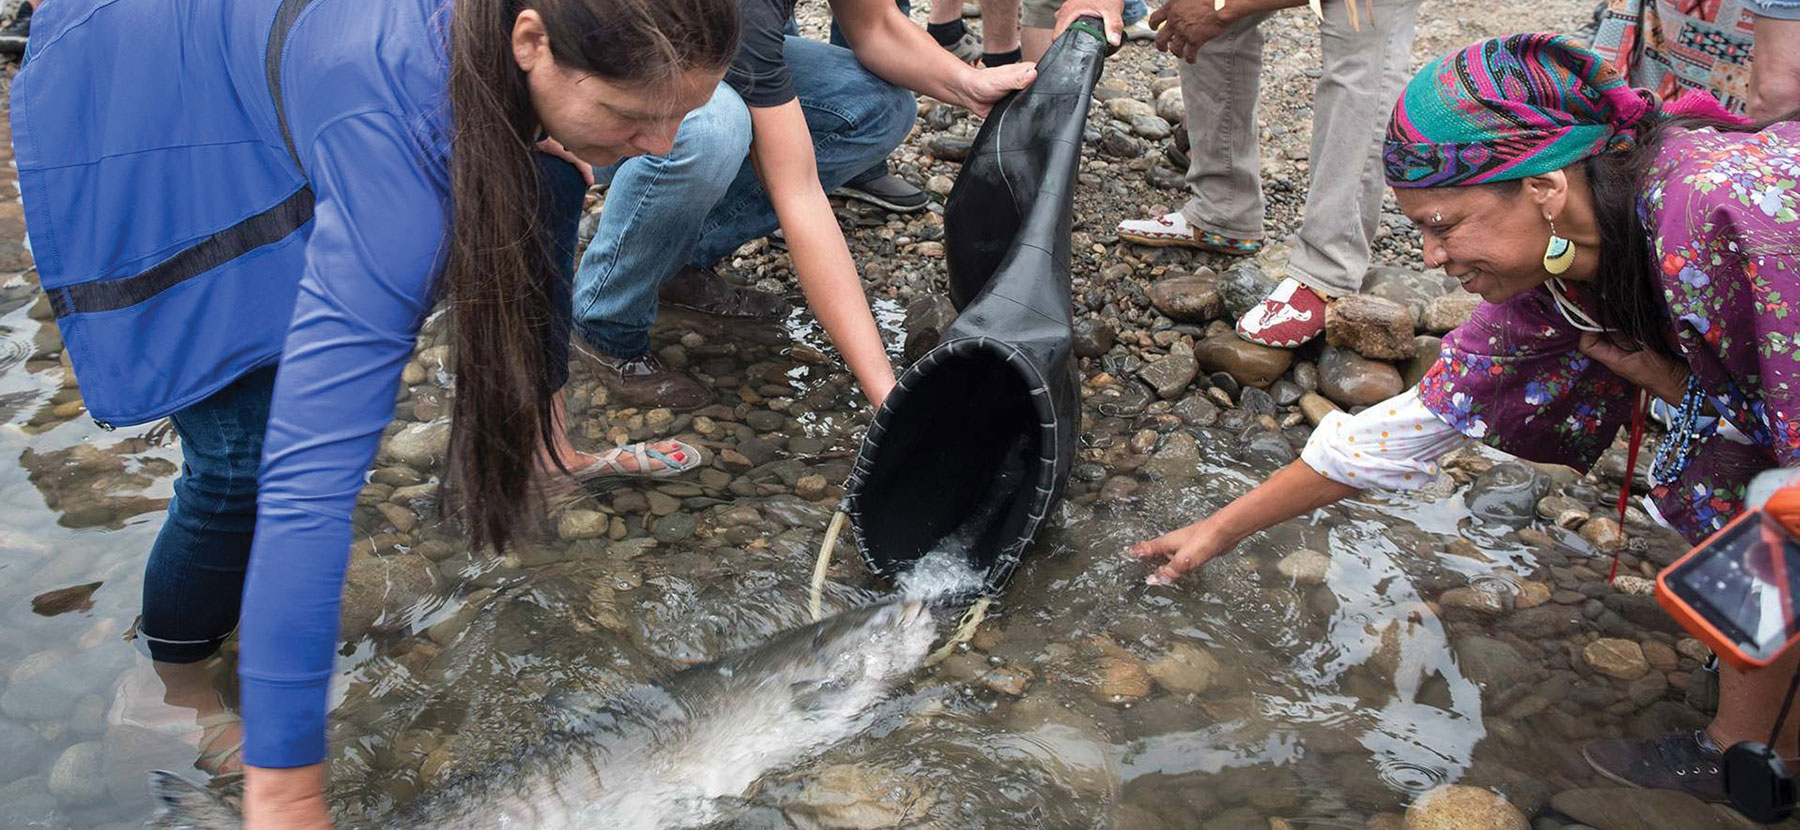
499 259
1631 303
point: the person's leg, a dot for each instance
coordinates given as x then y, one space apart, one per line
647 232
1000 32
1036 20
194 580
1219 94
1364 72
1750 701
559 215
855 119
1775 64
876 184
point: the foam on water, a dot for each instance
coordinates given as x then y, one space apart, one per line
943 572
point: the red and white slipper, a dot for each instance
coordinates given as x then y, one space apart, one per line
1171 230
1291 315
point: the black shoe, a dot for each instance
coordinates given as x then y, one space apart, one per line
704 291
14 34
645 382
1684 761
888 191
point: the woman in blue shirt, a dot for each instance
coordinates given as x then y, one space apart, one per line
241 211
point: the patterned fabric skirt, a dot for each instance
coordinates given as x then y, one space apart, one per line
1669 46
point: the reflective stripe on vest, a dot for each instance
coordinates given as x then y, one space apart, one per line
265 228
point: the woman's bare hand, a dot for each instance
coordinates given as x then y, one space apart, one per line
1184 549
1665 377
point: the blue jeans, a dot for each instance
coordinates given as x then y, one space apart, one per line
194 581
648 230
1135 10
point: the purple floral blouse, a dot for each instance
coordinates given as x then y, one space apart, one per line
1724 211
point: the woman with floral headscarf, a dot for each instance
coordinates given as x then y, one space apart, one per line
1619 245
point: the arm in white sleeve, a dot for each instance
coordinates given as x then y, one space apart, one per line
1393 445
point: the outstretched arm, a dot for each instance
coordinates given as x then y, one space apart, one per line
781 150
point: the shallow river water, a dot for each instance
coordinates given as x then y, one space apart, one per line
1326 674
1328 695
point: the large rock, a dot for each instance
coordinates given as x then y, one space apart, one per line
1507 494
575 524
381 588
1191 298
46 685
1619 808
1248 362
1093 337
420 445
22 747
855 797
1353 380
78 778
1449 311
1119 679
1613 657
1186 670
1492 664
1242 286
1126 109
1316 406
1409 288
1169 105
1459 807
926 320
1425 355
1373 327
1306 567
1170 374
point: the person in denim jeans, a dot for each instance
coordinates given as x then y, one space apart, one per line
1775 63
793 120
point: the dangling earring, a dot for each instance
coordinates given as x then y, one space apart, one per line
1560 253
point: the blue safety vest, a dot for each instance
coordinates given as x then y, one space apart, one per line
212 186
167 208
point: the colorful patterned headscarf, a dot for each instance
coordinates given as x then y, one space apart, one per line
1507 108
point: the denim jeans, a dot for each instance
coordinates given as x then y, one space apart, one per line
194 581
1135 10
648 229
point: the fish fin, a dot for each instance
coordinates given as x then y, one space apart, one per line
183 805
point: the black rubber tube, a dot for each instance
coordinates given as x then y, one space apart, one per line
978 437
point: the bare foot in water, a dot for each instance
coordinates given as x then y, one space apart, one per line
183 700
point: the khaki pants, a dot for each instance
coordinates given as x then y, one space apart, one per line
1363 75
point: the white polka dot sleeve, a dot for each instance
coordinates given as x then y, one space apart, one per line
1393 445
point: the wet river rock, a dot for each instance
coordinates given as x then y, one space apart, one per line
1353 380
1448 312
1191 298
1248 362
1459 807
1371 326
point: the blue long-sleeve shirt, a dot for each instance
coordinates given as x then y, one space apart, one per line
171 228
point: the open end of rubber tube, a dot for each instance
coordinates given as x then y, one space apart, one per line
961 461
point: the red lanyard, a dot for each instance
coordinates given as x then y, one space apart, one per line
1640 410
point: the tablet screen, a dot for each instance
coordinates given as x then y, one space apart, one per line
1745 583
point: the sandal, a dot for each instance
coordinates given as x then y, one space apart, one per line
680 458
214 760
1171 230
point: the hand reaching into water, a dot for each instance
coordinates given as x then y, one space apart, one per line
285 799
1185 549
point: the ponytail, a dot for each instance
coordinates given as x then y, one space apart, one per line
500 260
